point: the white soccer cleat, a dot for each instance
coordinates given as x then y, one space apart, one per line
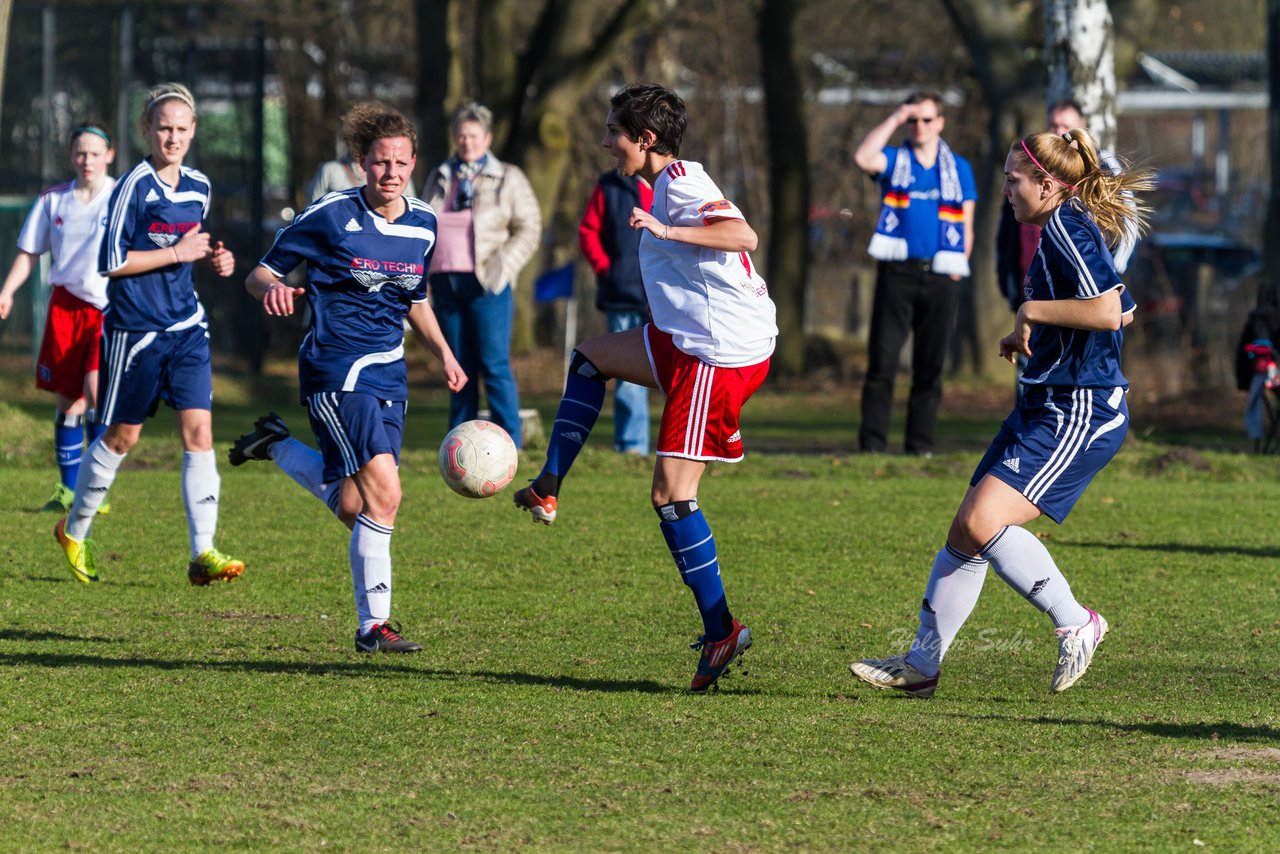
1076 645
895 673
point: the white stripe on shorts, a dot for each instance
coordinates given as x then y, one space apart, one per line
695 432
324 405
1068 448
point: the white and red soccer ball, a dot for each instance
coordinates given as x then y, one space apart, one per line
478 459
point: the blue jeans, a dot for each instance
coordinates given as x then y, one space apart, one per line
630 401
477 326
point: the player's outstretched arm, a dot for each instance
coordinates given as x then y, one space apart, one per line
276 297
725 235
18 275
422 320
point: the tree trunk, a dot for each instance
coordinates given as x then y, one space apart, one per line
6 14
439 78
1271 235
788 260
1079 43
997 47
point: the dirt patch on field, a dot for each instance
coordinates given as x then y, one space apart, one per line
1254 766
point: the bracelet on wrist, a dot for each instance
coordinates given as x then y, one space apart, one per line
176 259
665 230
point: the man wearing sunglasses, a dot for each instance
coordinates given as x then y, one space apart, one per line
922 242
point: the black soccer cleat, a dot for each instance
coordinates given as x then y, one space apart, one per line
383 638
254 445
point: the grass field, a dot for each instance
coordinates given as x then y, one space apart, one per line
547 710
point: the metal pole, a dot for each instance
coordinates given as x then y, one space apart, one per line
48 46
124 131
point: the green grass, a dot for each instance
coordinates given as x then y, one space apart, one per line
547 709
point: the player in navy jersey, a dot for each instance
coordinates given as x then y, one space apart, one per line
155 340
708 349
367 250
1069 421
67 221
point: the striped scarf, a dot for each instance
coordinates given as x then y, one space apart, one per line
889 243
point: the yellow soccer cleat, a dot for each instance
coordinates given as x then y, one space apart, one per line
213 565
79 554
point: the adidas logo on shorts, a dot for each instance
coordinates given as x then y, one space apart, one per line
1012 464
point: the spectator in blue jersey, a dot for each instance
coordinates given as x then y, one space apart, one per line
1068 423
68 221
489 226
367 251
612 248
155 338
922 242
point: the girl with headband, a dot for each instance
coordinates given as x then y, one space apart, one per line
1069 423
155 338
67 221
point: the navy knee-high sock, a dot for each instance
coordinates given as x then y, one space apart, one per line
579 408
694 550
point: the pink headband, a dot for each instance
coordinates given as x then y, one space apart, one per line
1040 166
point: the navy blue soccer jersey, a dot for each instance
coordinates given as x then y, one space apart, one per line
363 275
146 213
1073 262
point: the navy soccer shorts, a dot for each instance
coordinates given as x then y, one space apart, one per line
1054 442
353 428
140 369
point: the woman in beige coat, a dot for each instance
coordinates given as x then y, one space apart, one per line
488 226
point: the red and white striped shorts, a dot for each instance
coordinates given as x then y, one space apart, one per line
700 418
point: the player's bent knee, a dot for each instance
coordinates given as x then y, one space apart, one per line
582 366
674 511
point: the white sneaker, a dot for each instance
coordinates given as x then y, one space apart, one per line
895 673
1076 645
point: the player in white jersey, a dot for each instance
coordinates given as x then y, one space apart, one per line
707 349
1070 419
367 251
154 335
68 221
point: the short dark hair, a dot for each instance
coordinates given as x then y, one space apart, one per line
647 106
1066 104
369 121
921 95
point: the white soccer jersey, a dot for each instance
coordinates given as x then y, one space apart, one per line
71 232
713 304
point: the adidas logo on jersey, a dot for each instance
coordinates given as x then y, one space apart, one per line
1012 464
152 195
352 225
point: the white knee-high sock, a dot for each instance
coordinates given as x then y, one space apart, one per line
306 466
201 488
371 571
954 585
97 471
1026 566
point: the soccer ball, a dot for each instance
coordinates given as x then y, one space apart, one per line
478 459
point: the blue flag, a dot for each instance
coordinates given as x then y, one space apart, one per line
554 284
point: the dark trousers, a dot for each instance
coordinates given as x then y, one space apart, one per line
909 298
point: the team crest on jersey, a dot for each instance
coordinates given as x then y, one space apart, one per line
374 280
165 234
